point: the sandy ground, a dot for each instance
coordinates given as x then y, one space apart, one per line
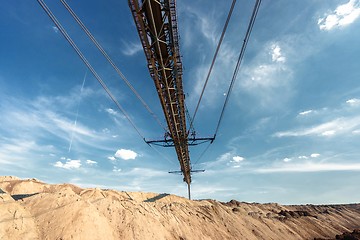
30 209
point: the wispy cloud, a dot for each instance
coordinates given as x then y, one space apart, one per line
268 78
131 48
116 169
204 191
16 151
343 15
40 129
311 167
111 111
54 115
91 162
307 112
226 160
42 120
287 159
55 29
201 45
265 76
353 102
315 155
207 22
338 126
220 77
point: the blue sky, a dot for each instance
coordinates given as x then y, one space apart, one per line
290 133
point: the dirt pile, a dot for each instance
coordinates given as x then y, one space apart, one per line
30 209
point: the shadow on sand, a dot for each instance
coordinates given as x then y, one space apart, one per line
18 196
22 196
154 199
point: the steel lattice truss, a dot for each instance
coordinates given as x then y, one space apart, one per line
157 27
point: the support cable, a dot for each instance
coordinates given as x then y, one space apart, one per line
241 56
101 49
191 128
202 154
163 155
213 61
83 58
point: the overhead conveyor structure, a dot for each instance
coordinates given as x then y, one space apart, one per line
156 23
157 27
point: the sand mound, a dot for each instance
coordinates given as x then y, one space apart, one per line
30 209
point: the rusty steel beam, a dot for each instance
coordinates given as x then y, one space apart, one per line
157 27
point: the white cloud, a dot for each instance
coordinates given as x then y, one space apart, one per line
238 159
343 15
130 49
45 118
224 160
337 126
111 111
315 155
18 151
353 102
276 54
56 30
224 157
115 169
312 167
69 164
126 154
91 162
357 131
264 76
112 158
305 112
328 133
215 90
144 173
206 22
287 159
303 157
268 81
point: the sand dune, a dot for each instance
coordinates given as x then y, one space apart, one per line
30 209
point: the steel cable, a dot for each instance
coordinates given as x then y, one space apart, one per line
213 61
241 56
163 155
101 49
202 154
83 58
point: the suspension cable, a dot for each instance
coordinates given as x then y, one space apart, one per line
101 49
213 60
202 154
241 56
83 58
163 155
191 128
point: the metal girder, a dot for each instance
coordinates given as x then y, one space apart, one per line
191 141
157 27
